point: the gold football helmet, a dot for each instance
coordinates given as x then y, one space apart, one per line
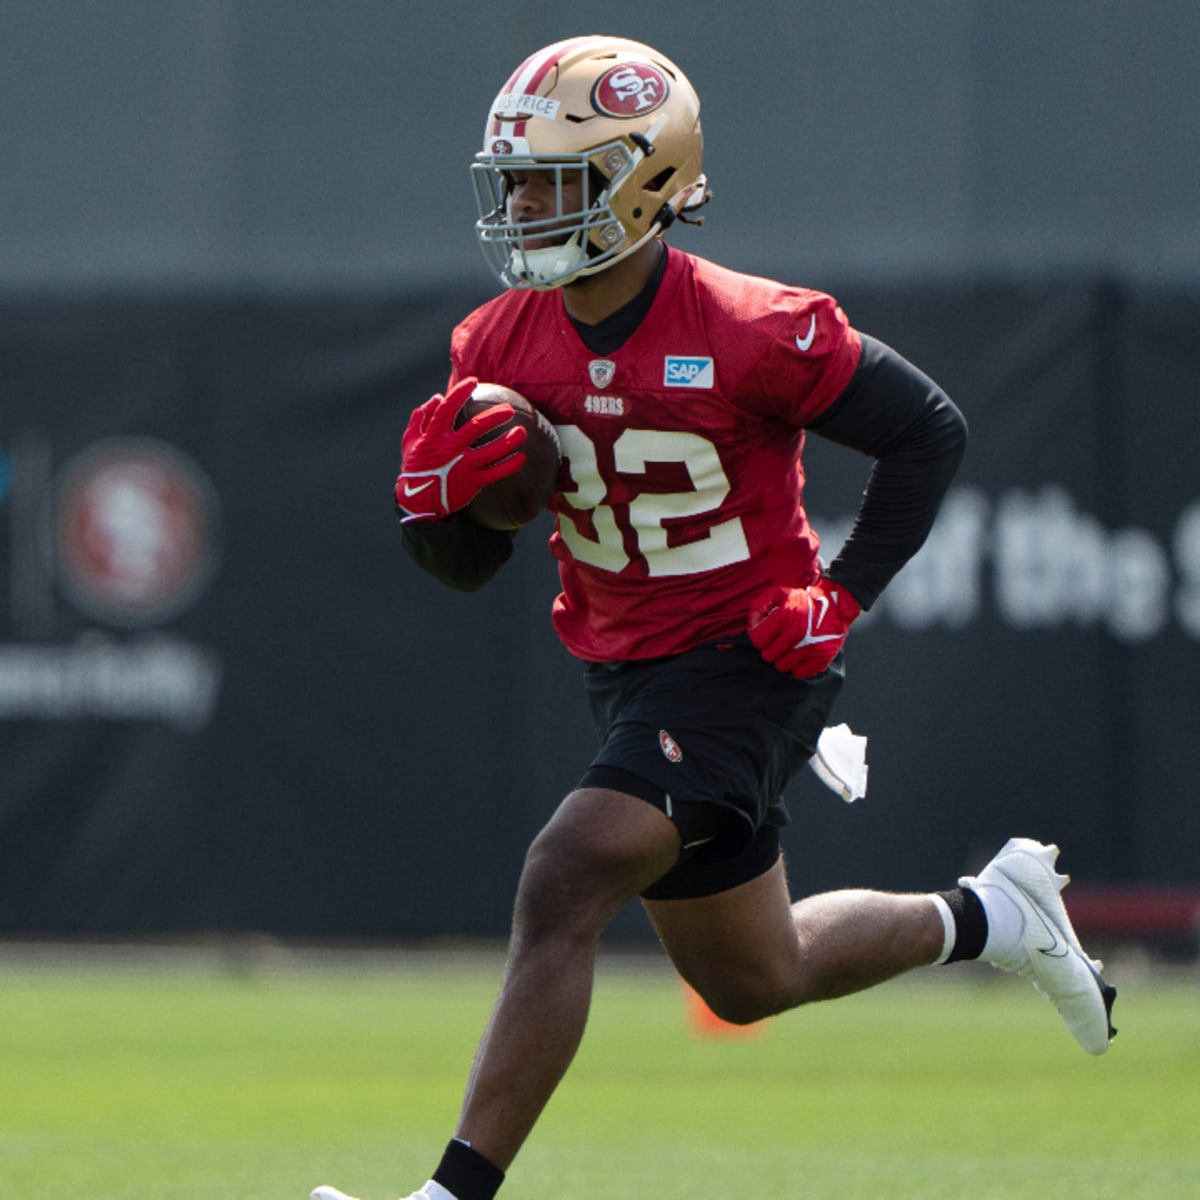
613 114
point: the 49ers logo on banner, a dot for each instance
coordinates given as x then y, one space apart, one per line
135 531
630 90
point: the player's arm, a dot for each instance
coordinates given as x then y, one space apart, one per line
917 436
457 551
899 416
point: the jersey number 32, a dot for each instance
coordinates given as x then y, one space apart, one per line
648 517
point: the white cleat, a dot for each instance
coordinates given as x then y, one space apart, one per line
431 1191
1048 953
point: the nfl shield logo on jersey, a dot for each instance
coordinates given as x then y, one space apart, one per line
602 371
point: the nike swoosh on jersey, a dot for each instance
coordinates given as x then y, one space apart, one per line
805 343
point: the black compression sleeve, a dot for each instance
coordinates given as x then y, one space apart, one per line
917 436
457 551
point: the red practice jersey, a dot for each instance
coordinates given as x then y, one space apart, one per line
682 491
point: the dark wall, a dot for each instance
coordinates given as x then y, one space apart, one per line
227 700
203 142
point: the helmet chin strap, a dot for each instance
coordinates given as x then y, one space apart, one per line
556 266
549 265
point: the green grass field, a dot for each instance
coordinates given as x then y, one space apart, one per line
190 1077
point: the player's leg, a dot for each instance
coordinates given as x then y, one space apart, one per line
600 850
750 952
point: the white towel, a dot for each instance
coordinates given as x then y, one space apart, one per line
841 762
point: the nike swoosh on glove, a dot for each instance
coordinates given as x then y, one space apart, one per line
441 470
801 630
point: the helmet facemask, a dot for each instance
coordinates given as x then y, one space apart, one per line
588 238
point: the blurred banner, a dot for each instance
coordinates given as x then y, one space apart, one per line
228 702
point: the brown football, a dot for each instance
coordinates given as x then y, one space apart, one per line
514 501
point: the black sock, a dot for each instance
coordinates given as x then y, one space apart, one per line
970 924
467 1174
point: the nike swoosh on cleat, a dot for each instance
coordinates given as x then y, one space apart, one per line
1057 947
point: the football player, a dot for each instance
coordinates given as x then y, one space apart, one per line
709 629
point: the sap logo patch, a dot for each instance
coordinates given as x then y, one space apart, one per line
679 371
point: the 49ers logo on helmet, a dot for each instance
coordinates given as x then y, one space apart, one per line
630 90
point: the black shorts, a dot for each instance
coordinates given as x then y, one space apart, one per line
711 737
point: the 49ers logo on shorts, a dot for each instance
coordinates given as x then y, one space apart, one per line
630 90
670 747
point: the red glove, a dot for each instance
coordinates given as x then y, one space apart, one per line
441 470
801 630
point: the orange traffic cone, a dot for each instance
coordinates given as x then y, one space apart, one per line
705 1023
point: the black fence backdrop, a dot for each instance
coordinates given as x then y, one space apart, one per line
228 701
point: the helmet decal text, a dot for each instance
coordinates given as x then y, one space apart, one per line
512 107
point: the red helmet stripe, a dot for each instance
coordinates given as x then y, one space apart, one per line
528 77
